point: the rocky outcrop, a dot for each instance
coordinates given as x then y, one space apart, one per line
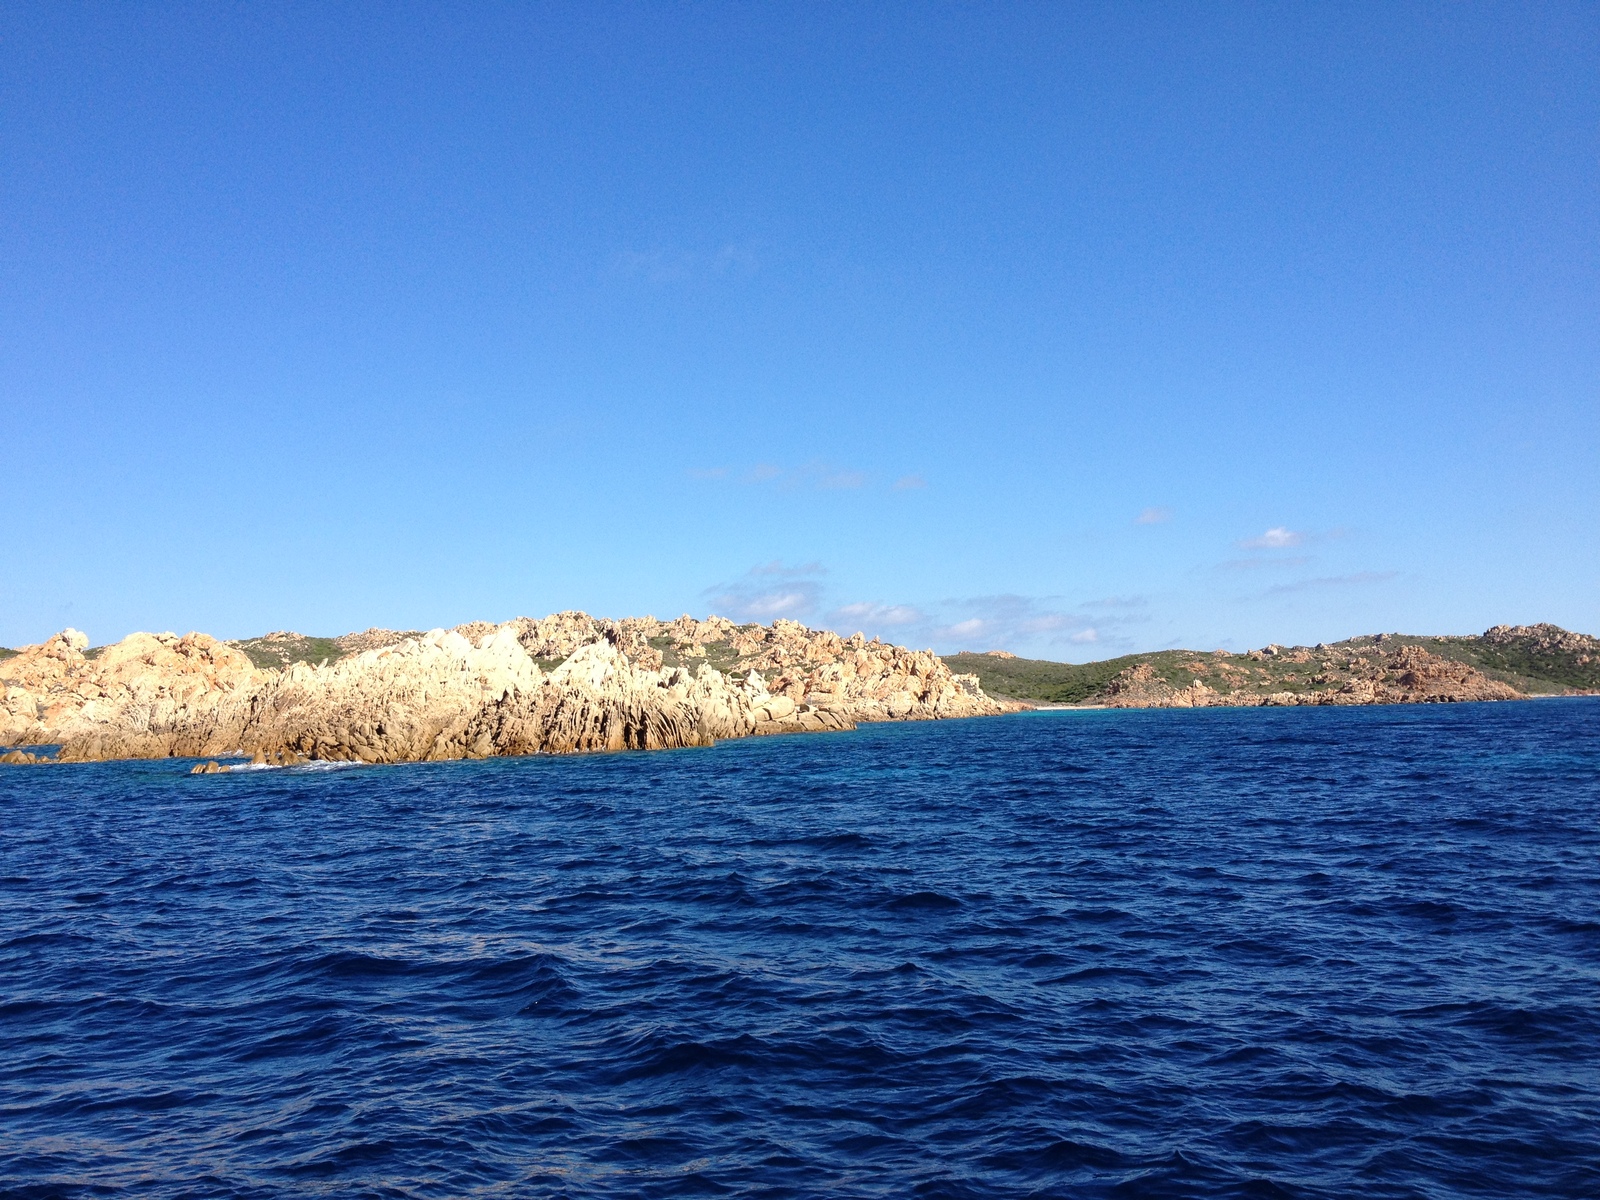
442 697
1408 675
373 639
1545 639
566 683
151 694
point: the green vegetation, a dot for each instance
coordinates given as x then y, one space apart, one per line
720 654
278 650
91 653
1541 662
1041 680
1046 682
1530 668
1523 663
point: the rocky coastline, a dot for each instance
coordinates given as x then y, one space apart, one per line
567 683
1507 662
571 683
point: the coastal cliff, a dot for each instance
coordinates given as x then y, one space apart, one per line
566 683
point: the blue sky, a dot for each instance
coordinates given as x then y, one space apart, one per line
1069 329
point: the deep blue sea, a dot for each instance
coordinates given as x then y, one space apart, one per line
1301 952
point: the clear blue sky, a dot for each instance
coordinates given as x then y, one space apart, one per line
1070 329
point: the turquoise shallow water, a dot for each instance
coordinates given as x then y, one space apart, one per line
1222 953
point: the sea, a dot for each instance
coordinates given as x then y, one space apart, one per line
1261 953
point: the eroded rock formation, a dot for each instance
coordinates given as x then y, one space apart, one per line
149 695
561 684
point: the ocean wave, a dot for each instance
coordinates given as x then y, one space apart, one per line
1140 955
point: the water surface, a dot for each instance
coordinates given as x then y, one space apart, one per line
1320 953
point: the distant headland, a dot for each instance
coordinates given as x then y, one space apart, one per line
570 683
1508 662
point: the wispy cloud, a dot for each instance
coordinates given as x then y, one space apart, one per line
1023 624
1154 516
908 483
661 265
1278 563
1007 621
1332 581
812 476
832 480
775 568
768 592
1117 602
863 615
1276 538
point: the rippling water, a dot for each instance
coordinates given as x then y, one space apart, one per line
1311 952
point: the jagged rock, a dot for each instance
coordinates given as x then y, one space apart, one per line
475 691
373 639
1545 638
150 695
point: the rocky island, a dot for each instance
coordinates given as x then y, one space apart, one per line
562 684
569 683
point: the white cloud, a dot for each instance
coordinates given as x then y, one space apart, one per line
1154 516
1023 624
907 483
768 592
1006 622
865 614
768 606
1276 538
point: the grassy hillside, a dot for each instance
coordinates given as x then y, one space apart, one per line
1541 660
1533 669
1041 680
275 651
